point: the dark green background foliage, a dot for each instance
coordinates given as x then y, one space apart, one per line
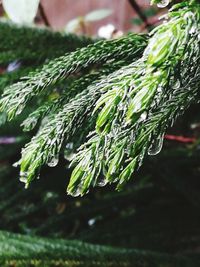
157 212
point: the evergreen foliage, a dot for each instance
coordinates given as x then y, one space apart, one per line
118 97
29 44
24 251
66 65
133 118
132 107
59 123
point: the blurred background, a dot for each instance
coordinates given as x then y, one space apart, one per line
126 15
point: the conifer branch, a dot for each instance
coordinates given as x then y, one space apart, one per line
74 87
16 96
122 136
45 147
135 104
9 78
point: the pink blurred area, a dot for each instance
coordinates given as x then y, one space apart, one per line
59 12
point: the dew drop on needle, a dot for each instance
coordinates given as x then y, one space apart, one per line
156 145
163 3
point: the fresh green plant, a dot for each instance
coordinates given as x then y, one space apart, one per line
96 95
132 107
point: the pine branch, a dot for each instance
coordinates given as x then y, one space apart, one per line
127 127
45 147
128 101
16 96
74 87
9 78
102 158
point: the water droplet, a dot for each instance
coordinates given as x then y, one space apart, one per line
29 124
141 157
69 145
16 164
156 145
68 156
163 3
143 116
172 122
48 142
177 84
23 177
101 182
53 161
69 151
76 192
192 30
159 89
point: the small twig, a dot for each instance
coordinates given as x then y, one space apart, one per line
136 7
7 140
180 138
44 17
